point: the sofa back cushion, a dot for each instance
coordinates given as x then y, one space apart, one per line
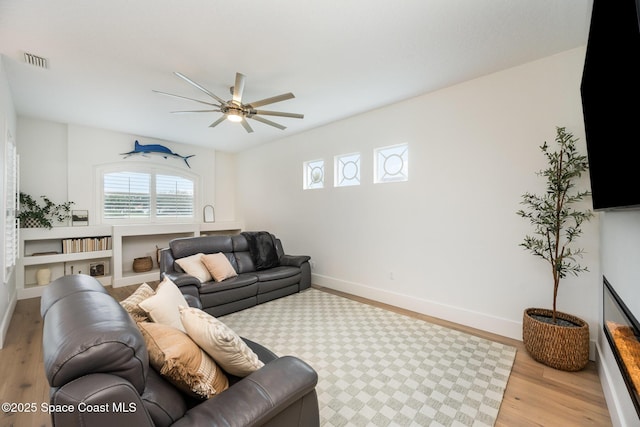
244 262
89 332
235 247
187 246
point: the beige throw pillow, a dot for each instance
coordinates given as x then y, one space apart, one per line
130 304
164 306
193 265
182 362
219 266
220 342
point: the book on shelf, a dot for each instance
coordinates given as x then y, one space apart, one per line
86 244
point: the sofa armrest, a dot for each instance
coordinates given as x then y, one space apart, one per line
302 262
193 301
181 279
98 400
264 354
294 260
286 384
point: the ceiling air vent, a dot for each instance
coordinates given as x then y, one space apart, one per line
35 60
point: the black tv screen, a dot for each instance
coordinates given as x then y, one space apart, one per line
610 96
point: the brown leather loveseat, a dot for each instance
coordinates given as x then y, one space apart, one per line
97 365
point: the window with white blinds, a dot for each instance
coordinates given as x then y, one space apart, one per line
174 196
127 195
147 195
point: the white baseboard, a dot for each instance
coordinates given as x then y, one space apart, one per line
6 319
486 322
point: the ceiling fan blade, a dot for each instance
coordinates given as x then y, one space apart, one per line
271 100
196 111
217 122
245 124
268 122
184 97
278 113
238 88
202 88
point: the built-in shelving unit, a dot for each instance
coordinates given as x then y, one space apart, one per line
43 249
146 238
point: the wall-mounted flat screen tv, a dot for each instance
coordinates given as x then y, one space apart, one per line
611 103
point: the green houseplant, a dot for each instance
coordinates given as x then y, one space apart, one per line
557 339
34 214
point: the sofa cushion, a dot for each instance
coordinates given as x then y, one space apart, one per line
219 266
220 342
193 265
182 362
278 285
164 402
187 246
130 304
163 307
244 262
241 280
276 273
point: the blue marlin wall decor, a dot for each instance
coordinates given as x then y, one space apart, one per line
160 150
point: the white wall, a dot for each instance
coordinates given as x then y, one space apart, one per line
620 248
7 123
60 161
449 236
42 146
225 187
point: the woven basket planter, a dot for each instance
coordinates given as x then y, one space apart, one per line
142 264
561 347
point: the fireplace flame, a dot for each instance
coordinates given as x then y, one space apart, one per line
628 348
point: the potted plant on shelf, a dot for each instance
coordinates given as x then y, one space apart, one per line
552 337
34 215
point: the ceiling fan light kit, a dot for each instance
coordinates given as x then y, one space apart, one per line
234 116
234 110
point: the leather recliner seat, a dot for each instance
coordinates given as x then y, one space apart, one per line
252 286
97 365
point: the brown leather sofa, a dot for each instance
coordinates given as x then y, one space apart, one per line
253 285
97 365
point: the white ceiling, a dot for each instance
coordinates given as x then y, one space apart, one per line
339 58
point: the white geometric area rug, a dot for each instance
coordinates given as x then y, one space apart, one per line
380 368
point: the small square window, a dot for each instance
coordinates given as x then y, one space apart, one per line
347 170
313 174
391 163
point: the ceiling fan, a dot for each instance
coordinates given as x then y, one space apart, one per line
234 110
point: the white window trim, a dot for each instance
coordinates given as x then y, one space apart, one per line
403 178
153 169
337 170
306 184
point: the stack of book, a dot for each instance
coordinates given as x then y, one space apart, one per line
86 244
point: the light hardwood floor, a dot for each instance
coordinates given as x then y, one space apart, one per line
535 396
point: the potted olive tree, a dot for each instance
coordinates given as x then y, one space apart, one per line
552 337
